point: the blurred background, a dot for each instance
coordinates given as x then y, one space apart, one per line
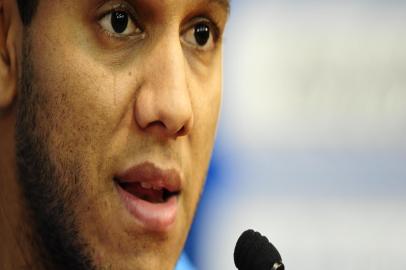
311 145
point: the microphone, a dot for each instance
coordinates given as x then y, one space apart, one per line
253 251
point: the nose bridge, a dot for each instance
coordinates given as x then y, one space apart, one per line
169 68
166 89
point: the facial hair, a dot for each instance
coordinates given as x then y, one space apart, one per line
48 200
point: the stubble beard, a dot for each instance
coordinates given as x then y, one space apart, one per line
48 201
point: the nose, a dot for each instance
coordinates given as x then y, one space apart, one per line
163 106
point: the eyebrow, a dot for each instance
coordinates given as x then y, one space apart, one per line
224 3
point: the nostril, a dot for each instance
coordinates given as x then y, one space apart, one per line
158 127
181 132
157 123
186 127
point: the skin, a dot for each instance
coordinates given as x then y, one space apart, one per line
78 105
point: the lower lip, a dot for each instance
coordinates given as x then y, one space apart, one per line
158 217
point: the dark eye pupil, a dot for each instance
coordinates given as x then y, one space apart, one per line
202 33
119 21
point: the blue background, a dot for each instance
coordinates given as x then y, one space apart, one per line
311 146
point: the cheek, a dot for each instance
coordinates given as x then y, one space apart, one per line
80 111
206 93
206 103
80 96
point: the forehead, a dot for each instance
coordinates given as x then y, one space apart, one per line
169 4
151 9
172 7
224 4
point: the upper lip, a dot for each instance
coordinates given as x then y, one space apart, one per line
149 173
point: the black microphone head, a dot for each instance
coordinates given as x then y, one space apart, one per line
253 251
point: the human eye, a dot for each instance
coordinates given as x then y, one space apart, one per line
119 22
201 34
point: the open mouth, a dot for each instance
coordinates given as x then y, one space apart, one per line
147 191
151 195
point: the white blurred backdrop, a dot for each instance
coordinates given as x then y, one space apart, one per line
311 147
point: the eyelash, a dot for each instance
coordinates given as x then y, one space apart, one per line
121 7
214 25
125 7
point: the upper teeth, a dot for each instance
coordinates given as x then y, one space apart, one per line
146 185
149 186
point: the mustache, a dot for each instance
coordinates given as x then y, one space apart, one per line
138 149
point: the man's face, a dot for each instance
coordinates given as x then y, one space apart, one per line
117 111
